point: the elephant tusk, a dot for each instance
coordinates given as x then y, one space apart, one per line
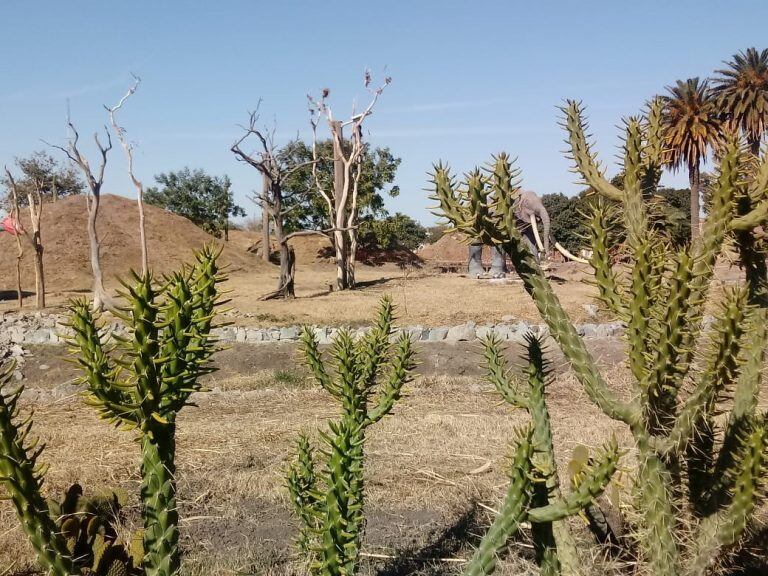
568 255
536 233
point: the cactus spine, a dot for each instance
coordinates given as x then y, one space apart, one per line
684 375
168 350
329 502
22 476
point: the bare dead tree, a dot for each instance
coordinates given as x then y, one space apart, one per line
128 149
18 232
348 156
35 202
275 167
94 180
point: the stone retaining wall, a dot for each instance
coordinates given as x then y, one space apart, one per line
39 329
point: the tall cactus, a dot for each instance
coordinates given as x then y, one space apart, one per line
685 374
329 501
22 477
142 382
534 492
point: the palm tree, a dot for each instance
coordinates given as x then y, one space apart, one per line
742 94
691 127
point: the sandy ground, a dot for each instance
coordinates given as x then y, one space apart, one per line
435 467
422 297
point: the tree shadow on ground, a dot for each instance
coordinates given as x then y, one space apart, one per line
12 294
458 539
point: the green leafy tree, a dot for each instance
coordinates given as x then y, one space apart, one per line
205 200
690 127
566 221
308 211
674 214
741 91
392 232
41 173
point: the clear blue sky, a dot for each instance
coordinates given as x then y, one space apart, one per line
469 78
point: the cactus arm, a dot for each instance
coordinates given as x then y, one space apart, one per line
591 485
145 346
665 372
725 527
605 277
653 157
633 206
498 373
581 154
512 512
111 398
22 477
310 348
639 307
720 371
742 412
758 216
748 385
758 190
302 486
354 397
400 375
659 518
373 347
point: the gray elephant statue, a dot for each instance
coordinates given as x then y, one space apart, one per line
529 209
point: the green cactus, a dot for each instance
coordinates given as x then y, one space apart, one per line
142 382
555 548
87 526
22 477
329 501
699 475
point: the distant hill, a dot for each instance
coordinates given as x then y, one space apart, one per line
171 240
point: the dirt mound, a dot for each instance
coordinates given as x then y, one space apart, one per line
450 248
170 241
316 249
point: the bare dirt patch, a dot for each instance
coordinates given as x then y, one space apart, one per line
234 447
425 496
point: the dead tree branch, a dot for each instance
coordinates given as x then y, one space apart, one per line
137 184
94 180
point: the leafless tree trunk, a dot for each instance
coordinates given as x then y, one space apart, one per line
35 201
265 220
128 148
340 242
274 169
347 169
16 215
101 298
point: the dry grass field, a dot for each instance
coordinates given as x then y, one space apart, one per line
436 468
